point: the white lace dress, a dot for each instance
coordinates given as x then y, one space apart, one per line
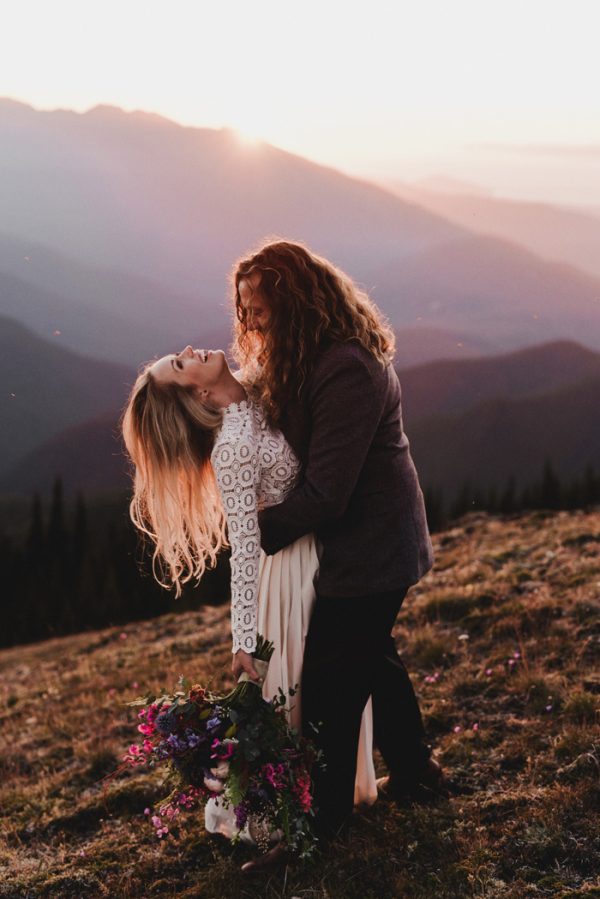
255 467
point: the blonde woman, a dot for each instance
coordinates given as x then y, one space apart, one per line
207 460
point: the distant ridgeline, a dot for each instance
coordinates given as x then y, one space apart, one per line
548 492
72 567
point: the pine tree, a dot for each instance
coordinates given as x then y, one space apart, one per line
55 587
508 500
463 502
591 487
35 535
550 493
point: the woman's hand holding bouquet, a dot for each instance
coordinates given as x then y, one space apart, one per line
238 749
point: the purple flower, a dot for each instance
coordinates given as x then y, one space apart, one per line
241 815
162 724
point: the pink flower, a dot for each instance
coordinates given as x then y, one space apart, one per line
489 671
302 790
517 655
476 726
146 729
457 729
122 636
223 750
275 775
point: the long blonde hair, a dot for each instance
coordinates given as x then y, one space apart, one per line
311 303
169 435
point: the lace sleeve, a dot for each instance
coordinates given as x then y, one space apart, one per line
235 462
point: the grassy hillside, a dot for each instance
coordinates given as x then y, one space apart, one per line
500 638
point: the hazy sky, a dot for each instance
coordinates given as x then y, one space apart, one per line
469 88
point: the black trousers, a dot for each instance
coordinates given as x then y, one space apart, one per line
350 655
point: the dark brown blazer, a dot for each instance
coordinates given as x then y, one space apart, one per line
359 492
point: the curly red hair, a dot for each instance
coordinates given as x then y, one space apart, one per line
311 303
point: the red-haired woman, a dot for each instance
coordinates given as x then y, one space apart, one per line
319 354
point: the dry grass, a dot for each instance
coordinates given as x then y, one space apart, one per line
501 639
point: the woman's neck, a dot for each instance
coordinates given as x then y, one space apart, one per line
229 392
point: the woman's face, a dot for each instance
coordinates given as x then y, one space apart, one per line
201 368
253 302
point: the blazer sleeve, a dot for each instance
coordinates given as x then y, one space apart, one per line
345 406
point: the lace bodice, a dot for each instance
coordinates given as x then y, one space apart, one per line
255 467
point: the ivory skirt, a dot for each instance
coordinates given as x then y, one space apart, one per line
286 597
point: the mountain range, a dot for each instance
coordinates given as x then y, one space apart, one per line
118 235
486 418
47 389
142 219
554 232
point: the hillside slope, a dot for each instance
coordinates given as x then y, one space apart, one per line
549 230
484 418
452 386
500 639
500 438
47 388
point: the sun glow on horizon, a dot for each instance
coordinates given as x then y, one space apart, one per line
247 138
397 90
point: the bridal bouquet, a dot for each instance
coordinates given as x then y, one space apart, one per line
238 749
